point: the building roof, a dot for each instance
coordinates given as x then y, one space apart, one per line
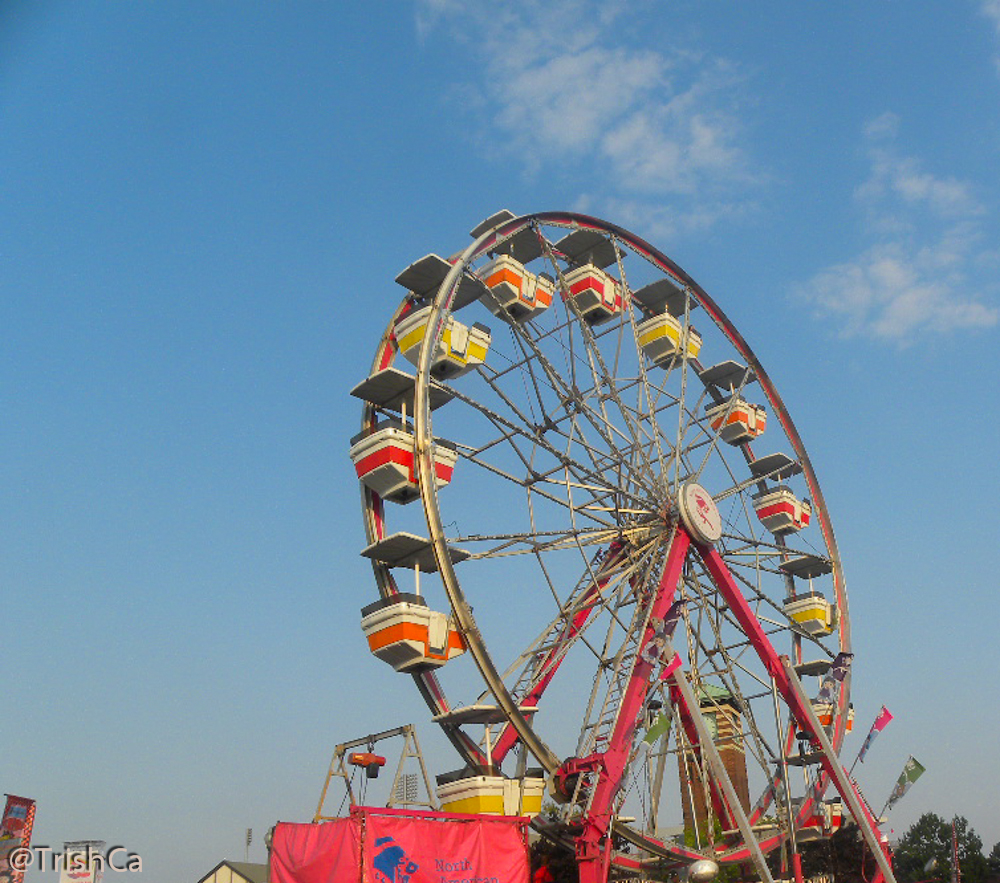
710 694
249 871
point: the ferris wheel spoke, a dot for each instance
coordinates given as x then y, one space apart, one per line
601 457
511 432
539 664
607 591
603 382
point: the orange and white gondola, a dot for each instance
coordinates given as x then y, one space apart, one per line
384 460
825 712
460 349
663 337
403 631
780 511
736 421
514 290
813 613
594 293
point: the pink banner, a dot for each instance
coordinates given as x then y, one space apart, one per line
408 849
395 846
326 853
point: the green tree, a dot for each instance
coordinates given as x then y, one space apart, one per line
560 862
843 857
930 838
993 861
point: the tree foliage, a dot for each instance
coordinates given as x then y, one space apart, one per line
993 862
930 838
843 857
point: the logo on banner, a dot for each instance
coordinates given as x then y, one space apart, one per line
391 863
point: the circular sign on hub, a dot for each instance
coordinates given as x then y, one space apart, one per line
700 514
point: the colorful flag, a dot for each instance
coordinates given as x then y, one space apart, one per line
15 831
662 631
673 617
880 722
841 666
912 770
659 727
826 689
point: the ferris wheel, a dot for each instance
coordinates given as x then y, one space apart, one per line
602 553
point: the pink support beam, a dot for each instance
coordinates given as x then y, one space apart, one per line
593 846
788 685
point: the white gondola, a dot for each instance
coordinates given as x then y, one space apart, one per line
486 794
594 293
812 613
780 511
826 819
825 712
737 421
662 338
460 349
403 631
383 458
515 290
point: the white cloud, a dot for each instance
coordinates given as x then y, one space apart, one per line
892 293
561 91
918 277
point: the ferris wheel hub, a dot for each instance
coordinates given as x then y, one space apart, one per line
699 514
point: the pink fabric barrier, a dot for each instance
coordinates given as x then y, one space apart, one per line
326 853
396 846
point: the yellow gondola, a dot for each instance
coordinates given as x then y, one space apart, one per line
813 613
460 349
661 339
488 794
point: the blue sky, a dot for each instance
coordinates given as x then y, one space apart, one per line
203 207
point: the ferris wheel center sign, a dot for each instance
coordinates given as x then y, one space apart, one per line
700 514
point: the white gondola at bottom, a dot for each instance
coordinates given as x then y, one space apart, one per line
403 631
826 820
489 794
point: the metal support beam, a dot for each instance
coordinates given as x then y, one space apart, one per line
834 768
711 754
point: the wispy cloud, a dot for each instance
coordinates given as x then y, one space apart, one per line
919 276
559 92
